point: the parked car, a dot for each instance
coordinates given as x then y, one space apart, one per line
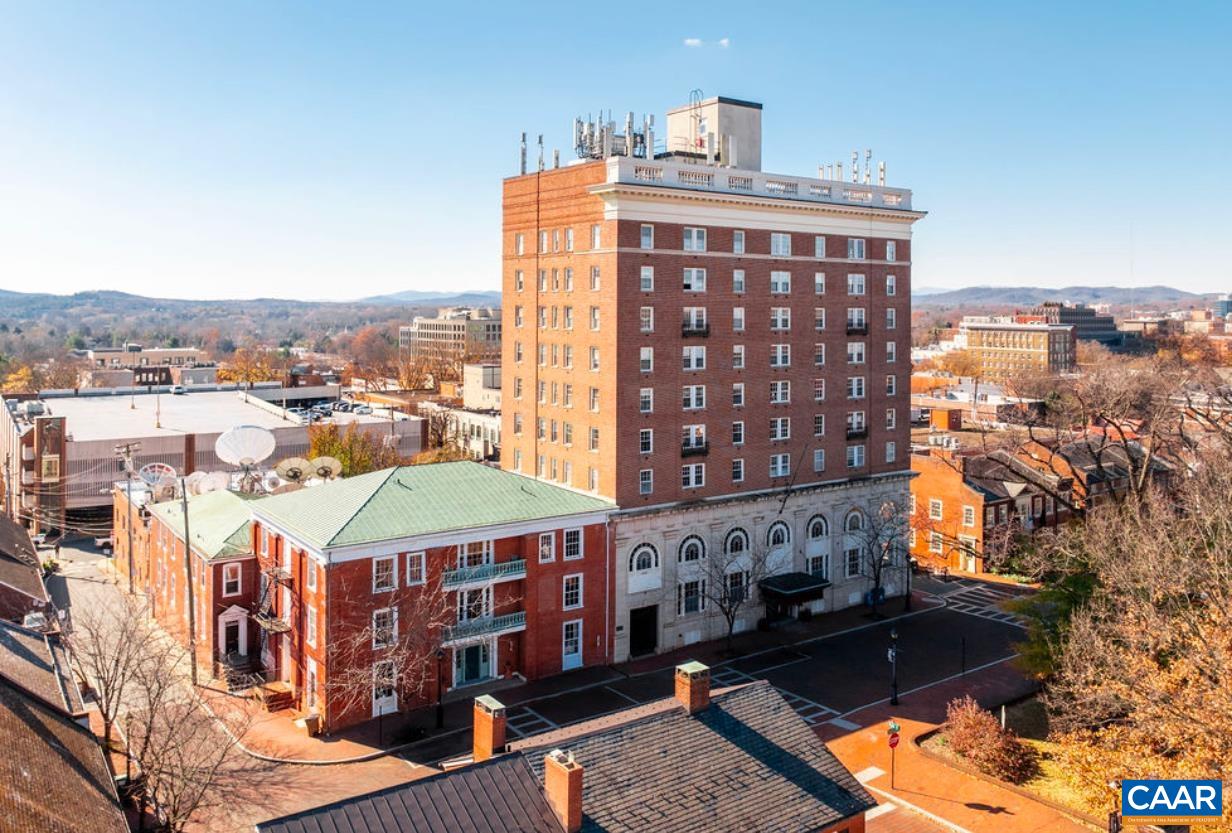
178 390
362 409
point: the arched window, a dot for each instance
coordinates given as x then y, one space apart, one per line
644 557
854 521
692 549
818 528
779 535
737 542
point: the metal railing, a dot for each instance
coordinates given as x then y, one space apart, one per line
502 571
486 626
694 449
690 329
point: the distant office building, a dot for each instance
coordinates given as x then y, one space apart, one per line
454 335
1008 346
481 387
1223 306
1088 324
133 364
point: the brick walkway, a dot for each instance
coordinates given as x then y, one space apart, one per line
941 797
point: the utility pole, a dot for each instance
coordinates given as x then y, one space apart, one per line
192 610
125 452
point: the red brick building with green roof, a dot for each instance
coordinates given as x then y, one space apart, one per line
373 587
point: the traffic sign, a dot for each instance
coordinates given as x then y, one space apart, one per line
893 728
894 739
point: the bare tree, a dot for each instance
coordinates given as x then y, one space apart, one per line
109 643
731 573
882 542
395 650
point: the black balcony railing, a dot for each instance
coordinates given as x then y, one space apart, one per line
857 433
856 329
694 449
693 329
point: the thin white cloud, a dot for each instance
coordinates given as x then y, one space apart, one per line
724 43
693 43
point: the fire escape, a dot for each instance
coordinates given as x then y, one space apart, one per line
271 579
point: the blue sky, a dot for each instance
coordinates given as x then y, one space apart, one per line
335 150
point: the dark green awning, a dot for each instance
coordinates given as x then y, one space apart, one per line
793 588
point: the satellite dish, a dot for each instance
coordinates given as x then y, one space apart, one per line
326 468
244 445
193 481
152 473
271 482
164 489
215 481
294 469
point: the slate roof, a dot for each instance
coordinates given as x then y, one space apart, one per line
407 501
748 762
992 477
220 522
19 560
500 795
37 665
53 774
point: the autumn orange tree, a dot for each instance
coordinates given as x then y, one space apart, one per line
358 451
1141 680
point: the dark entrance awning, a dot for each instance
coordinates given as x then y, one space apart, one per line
793 588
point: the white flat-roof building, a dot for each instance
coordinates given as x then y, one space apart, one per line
60 450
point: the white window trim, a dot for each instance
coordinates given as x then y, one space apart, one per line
564 584
423 568
393 573
581 544
239 579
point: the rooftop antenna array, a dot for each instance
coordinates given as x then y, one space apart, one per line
600 139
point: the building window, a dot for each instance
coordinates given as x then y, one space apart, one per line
738 242
594 358
644 557
310 571
738 395
645 402
738 319
691 549
936 510
384 574
594 278
855 387
231 582
855 456
855 284
819 247
891 385
693 476
415 568
819 425
647 240
780 465
647 319
571 595
935 542
855 248
780 392
737 470
819 319
891 352
737 357
693 358
518 281
647 279
819 390
595 231
594 318
645 481
780 428
384 627
694 280
694 239
693 397
519 244
891 251
968 518
855 352
738 281
780 319
568 240
819 460
780 283
593 439
312 625
891 451
547 547
737 433
646 359
779 535
780 244
690 597
780 355
891 318
891 285
891 418
646 440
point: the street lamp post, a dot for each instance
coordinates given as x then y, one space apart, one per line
910 570
894 666
440 688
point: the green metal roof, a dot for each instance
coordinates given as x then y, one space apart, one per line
409 501
220 522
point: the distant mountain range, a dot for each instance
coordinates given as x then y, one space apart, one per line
1021 296
468 298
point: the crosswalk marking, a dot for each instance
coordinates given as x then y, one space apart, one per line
984 602
522 721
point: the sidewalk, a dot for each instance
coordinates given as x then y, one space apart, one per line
964 802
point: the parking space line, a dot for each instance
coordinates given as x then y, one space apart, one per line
757 672
929 685
632 700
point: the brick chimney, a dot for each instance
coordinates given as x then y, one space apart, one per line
693 686
489 728
562 784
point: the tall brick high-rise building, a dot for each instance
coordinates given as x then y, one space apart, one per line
722 351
